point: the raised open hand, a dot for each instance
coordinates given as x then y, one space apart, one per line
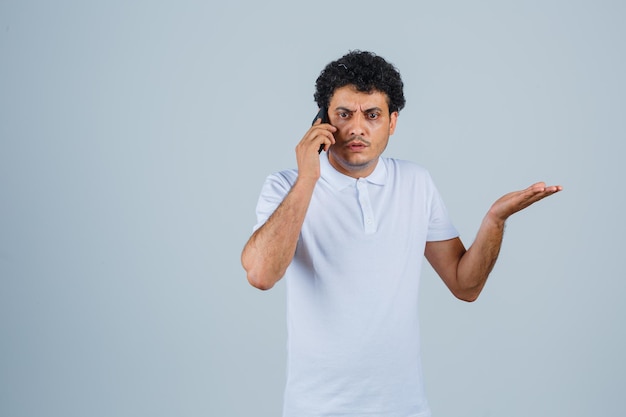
511 203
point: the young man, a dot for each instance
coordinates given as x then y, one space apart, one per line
348 230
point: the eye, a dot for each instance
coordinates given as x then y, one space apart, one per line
343 115
373 116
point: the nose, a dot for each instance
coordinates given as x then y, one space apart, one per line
357 125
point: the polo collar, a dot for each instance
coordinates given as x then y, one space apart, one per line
339 181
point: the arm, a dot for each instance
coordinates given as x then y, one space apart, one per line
270 249
465 271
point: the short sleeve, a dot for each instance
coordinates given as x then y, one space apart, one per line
273 192
440 225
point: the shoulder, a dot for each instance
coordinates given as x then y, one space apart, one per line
406 169
280 182
287 175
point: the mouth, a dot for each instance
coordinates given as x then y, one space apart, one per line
357 145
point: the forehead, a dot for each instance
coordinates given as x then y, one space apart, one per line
353 99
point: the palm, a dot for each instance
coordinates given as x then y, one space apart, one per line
511 203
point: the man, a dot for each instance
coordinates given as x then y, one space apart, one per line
348 230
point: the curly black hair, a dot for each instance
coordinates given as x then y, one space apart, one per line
367 72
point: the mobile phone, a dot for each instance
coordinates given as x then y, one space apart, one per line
322 114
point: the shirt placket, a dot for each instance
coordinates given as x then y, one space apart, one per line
369 220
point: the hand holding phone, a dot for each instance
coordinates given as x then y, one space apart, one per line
322 114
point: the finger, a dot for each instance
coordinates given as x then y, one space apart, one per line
554 189
324 129
538 195
317 139
537 187
327 142
541 186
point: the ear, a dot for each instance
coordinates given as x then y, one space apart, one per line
393 119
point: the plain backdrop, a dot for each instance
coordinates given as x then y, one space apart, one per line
134 140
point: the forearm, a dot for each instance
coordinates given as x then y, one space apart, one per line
465 271
477 262
270 250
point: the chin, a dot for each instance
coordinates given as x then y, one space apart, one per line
358 164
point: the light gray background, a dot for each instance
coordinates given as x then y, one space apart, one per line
135 137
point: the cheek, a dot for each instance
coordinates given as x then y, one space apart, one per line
342 130
381 130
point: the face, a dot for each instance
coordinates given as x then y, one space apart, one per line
363 127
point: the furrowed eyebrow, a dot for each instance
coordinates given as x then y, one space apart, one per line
373 109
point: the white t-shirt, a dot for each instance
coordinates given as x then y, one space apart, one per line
352 290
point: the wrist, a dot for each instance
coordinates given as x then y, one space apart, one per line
494 219
305 182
